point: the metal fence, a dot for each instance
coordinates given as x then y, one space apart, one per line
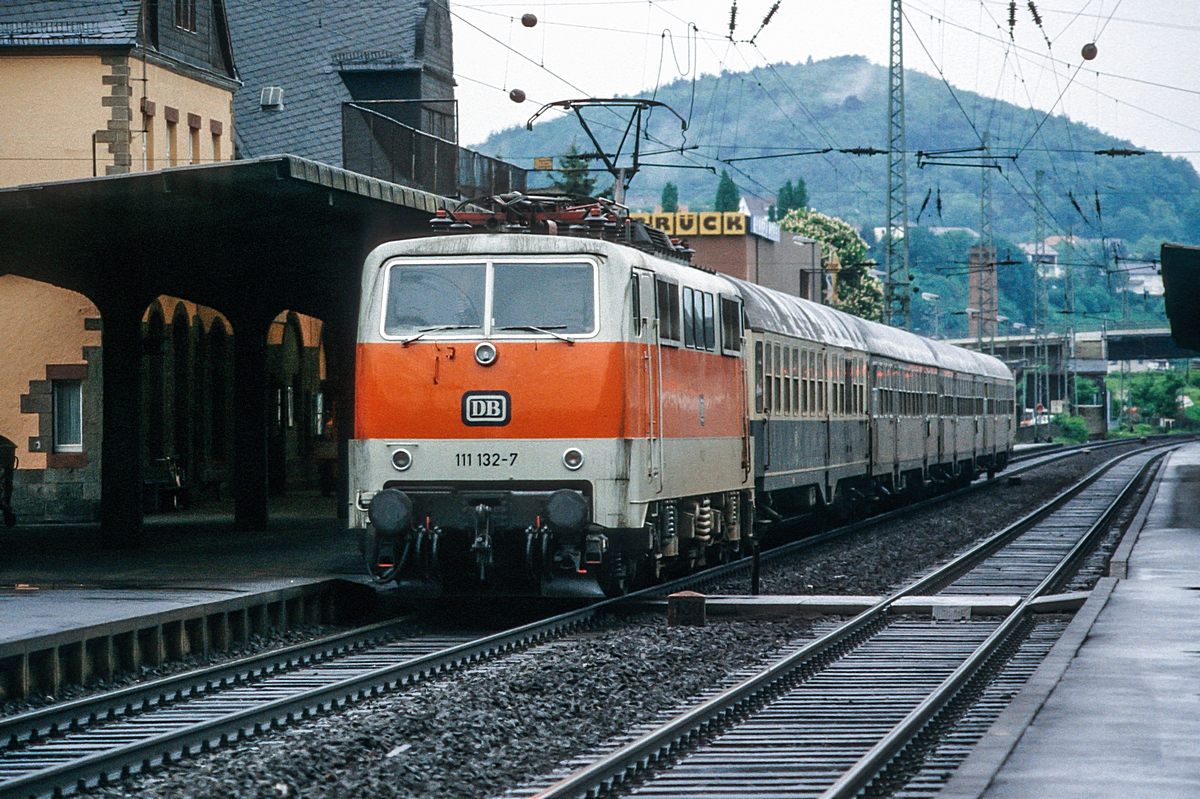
375 144
379 146
482 176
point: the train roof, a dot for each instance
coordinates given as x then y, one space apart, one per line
775 312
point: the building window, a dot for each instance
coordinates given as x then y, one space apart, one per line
172 144
68 416
194 139
216 137
185 15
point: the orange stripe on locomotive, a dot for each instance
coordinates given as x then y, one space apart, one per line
590 389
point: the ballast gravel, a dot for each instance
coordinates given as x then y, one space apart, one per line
482 731
885 557
257 644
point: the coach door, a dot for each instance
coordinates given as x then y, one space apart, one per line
646 328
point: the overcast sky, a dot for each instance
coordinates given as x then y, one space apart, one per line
597 48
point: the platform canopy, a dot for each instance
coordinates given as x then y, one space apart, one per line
248 238
264 235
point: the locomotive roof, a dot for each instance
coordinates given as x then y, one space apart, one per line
776 312
765 309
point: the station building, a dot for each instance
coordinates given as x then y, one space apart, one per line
93 89
118 87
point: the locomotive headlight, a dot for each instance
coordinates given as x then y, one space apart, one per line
401 459
485 353
573 459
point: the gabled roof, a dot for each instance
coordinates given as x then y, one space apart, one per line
303 48
58 23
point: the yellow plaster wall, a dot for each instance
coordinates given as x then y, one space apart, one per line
39 324
165 88
52 107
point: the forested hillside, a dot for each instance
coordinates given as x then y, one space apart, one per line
841 103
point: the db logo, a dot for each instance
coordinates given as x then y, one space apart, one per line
486 408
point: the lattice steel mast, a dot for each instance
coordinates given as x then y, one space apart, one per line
988 301
897 300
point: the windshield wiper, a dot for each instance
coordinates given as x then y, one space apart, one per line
425 330
548 330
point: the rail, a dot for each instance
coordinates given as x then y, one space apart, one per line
737 702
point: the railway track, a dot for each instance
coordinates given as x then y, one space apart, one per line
744 566
95 740
857 708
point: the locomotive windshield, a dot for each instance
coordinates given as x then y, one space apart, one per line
526 298
430 296
554 297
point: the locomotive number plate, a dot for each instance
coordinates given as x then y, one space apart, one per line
485 459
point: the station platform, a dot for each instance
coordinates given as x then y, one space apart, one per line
71 610
1114 710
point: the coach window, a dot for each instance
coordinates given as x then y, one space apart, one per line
731 326
668 310
794 379
786 371
636 303
758 377
803 374
822 397
689 318
776 402
767 368
710 323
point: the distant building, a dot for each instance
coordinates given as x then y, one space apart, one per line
942 231
750 248
1048 258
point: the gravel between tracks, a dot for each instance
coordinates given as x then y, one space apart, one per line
485 730
886 557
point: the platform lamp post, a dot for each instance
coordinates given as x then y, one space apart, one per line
937 318
979 332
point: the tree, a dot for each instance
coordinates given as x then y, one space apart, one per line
791 198
670 198
858 293
728 196
576 181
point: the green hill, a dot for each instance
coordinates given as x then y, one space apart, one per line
842 103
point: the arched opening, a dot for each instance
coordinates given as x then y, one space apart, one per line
297 412
187 369
51 400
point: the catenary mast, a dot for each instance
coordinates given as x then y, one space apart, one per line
897 300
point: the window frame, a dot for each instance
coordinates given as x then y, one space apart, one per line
486 331
77 389
673 318
733 307
185 18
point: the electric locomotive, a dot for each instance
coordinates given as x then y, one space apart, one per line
570 414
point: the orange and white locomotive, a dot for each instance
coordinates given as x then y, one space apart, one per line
558 414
